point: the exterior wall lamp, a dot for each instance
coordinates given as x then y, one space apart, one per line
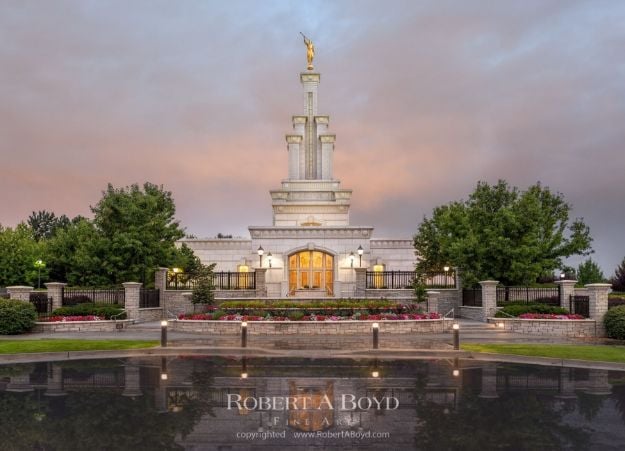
351 259
360 252
261 251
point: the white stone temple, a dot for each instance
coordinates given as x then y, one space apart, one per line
310 250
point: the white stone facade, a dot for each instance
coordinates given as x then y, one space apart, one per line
310 213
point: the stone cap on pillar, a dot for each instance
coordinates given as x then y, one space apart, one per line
599 286
489 282
19 288
55 284
434 292
566 282
132 284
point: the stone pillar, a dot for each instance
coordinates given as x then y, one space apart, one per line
293 146
567 288
598 304
261 282
327 149
55 292
55 381
132 379
19 292
160 279
132 295
361 282
433 301
489 298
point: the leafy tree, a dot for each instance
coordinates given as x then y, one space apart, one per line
187 261
45 223
18 252
204 289
502 233
618 280
138 230
589 272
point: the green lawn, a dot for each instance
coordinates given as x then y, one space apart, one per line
24 346
578 352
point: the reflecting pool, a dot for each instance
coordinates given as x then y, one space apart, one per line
199 402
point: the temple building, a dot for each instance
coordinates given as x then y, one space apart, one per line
310 249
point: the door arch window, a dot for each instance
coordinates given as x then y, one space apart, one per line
311 270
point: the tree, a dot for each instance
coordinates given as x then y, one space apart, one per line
203 291
589 272
18 253
501 233
618 280
44 224
138 231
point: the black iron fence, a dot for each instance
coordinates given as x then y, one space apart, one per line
149 298
393 280
223 280
579 305
74 296
528 295
472 297
41 302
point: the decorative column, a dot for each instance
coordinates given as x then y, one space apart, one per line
20 292
433 301
361 282
261 282
567 289
293 146
598 303
489 298
327 148
160 283
55 292
132 295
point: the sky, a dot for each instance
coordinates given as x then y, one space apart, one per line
425 97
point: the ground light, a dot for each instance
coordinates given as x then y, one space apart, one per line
456 330
376 330
244 334
164 333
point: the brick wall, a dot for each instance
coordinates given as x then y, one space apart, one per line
548 327
81 326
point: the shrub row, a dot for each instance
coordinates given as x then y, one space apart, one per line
519 309
106 311
345 303
16 317
614 322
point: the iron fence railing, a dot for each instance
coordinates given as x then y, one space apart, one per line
579 305
472 297
149 298
393 280
74 296
223 280
41 302
528 295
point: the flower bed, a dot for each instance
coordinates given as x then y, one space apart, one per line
62 319
308 318
549 316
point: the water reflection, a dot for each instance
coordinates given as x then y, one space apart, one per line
192 402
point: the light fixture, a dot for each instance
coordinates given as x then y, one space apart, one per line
351 259
446 268
164 376
456 326
562 275
456 373
243 375
269 257
500 325
375 374
360 252
260 251
39 264
177 270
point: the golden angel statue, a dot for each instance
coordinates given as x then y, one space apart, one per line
310 51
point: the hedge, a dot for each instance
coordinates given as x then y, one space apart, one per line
107 311
519 309
614 322
16 317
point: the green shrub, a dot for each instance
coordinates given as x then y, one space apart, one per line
296 316
614 322
105 310
16 317
218 314
519 309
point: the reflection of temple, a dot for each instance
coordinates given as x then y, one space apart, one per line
174 386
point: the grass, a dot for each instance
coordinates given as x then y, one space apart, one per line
579 352
28 346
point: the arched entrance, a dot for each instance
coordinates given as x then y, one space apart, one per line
311 270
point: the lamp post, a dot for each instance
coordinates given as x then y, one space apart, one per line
244 334
261 251
39 264
360 252
164 333
446 269
351 259
176 271
456 329
376 331
269 257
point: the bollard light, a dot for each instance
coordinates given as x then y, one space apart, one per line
243 375
456 373
164 333
244 334
500 325
164 376
376 330
456 330
375 374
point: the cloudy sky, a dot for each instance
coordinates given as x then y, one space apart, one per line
426 98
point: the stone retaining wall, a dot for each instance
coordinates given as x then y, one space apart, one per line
81 326
150 314
572 328
311 327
